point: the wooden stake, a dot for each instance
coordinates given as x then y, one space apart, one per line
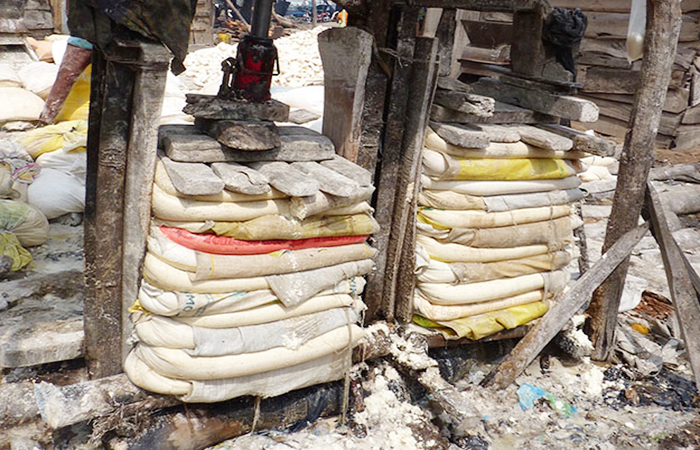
346 54
663 28
399 277
564 308
685 298
390 159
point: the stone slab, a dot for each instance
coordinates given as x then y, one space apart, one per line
544 139
240 178
466 102
287 179
349 169
188 144
300 116
461 135
505 134
242 135
330 181
192 178
212 107
502 114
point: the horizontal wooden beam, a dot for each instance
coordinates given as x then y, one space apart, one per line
474 5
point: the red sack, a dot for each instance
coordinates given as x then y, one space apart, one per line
223 245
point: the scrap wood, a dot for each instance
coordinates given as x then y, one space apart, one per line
564 308
689 173
684 296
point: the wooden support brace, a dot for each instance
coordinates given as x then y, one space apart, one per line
564 308
663 27
390 160
686 300
346 55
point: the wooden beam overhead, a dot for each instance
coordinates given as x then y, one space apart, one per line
475 5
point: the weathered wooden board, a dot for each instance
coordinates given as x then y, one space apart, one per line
346 54
622 111
567 107
500 133
503 113
614 5
620 81
242 135
676 99
488 34
607 25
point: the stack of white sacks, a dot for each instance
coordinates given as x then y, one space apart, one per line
495 228
254 289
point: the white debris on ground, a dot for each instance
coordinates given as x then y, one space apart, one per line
300 63
388 422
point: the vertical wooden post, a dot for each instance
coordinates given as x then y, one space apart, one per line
390 159
346 54
660 43
104 224
446 37
401 259
149 87
314 19
527 50
686 301
126 99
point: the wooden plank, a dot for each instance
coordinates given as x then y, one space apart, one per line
567 107
390 160
476 5
346 55
445 35
503 114
401 253
676 99
691 116
620 81
147 101
499 55
685 299
103 268
687 137
350 170
622 111
564 309
583 142
607 25
635 163
614 5
488 34
527 52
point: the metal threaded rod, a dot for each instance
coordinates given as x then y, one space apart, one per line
260 23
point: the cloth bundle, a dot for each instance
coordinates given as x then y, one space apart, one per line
494 228
250 293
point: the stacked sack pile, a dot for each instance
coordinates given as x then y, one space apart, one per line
494 229
252 278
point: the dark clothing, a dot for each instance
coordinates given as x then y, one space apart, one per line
165 21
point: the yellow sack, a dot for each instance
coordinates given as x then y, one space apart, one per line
69 136
279 227
10 246
482 325
77 104
449 168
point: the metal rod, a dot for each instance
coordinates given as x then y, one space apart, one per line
260 23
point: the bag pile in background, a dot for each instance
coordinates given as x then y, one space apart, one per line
248 289
493 234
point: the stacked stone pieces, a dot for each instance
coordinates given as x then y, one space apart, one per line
495 226
254 270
